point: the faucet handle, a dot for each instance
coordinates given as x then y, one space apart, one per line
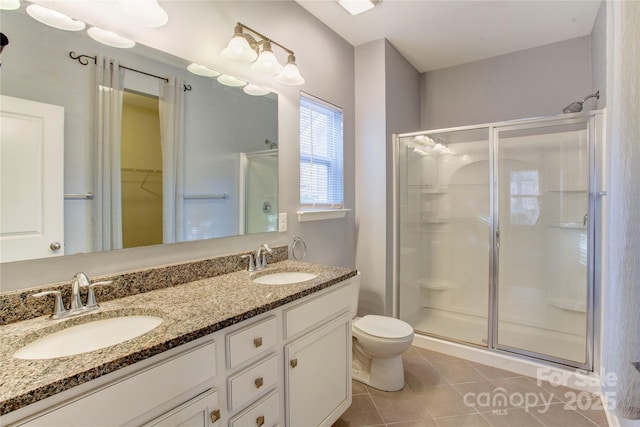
92 304
252 265
58 308
264 260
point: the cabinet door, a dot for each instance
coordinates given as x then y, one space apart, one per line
201 411
318 380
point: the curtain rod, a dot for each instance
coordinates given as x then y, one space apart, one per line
84 60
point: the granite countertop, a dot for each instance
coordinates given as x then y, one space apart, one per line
189 311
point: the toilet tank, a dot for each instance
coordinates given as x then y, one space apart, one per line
355 293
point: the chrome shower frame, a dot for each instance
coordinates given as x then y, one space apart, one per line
594 121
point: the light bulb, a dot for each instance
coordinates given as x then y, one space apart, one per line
267 62
255 90
109 38
228 80
239 49
9 4
290 74
201 70
147 13
54 18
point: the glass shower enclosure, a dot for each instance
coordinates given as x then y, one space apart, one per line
494 238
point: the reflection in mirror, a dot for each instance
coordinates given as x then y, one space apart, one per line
221 181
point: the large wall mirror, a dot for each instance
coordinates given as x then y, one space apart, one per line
224 177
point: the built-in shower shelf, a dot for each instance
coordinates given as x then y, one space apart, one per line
578 307
434 220
569 189
430 189
435 285
407 251
569 225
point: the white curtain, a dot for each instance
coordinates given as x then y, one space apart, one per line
621 346
108 195
171 135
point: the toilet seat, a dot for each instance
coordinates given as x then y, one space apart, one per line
383 327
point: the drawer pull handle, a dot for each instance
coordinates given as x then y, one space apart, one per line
293 363
259 381
215 415
257 342
260 420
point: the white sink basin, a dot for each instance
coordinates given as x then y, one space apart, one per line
88 337
284 278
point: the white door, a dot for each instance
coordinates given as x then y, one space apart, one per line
31 179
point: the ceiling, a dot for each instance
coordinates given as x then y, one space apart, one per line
434 34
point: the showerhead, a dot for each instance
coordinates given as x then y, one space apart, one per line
271 144
576 107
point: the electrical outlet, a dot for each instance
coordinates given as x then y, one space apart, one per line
282 221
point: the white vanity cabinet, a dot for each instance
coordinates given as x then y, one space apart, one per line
290 366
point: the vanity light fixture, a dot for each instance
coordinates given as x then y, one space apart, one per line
110 38
201 70
228 80
267 62
9 4
241 47
54 18
147 13
247 45
290 74
355 7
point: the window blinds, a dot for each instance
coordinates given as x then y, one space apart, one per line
321 164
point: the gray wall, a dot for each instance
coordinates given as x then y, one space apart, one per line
387 101
599 58
197 32
535 82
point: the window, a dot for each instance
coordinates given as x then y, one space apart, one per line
524 188
321 172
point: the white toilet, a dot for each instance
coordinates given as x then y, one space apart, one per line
378 344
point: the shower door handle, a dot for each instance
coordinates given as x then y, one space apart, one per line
497 238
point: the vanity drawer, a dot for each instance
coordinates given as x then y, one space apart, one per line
141 393
311 313
251 341
252 382
263 413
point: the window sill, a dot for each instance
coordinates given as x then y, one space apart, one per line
321 214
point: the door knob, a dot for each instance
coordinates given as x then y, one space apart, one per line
55 246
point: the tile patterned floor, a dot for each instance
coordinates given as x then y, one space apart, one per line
445 391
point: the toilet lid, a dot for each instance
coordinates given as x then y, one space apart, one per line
383 326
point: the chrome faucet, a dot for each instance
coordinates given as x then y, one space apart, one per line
80 280
261 257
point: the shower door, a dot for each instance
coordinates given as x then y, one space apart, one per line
494 237
542 293
444 233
